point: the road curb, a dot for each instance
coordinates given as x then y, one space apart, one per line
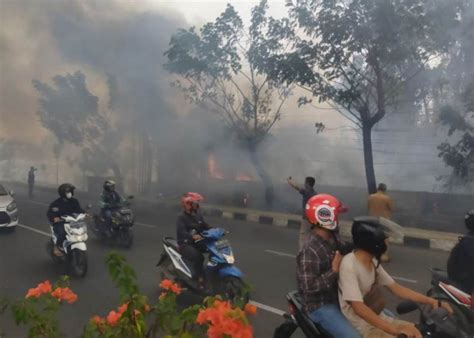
412 237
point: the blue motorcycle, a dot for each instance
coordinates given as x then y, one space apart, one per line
221 277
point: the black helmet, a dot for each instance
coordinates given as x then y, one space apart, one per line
469 220
65 188
109 185
368 235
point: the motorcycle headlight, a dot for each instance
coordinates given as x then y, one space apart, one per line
11 206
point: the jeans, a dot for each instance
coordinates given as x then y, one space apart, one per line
59 234
107 215
331 319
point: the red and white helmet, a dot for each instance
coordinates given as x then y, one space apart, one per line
323 210
190 201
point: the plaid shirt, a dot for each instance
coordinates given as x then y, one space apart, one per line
317 282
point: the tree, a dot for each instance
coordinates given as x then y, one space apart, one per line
460 120
217 65
358 55
71 112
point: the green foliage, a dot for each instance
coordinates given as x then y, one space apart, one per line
459 155
217 66
71 113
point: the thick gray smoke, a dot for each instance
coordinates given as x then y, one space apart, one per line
119 47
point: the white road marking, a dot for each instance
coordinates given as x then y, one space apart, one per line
34 230
278 253
284 254
268 308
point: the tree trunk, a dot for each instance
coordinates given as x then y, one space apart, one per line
266 180
368 158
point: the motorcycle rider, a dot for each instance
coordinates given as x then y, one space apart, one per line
461 259
65 205
318 267
109 200
189 225
360 279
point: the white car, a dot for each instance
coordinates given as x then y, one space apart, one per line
8 209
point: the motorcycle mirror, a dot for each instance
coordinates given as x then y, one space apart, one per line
12 193
131 197
406 307
89 206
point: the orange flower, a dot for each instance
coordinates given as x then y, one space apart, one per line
147 308
123 308
250 309
223 320
45 287
113 318
168 285
33 293
64 294
41 288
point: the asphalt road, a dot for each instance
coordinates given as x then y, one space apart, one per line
264 253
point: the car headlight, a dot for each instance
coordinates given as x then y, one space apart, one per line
11 206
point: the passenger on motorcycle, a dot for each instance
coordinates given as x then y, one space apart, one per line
318 267
65 205
360 279
461 259
189 225
109 200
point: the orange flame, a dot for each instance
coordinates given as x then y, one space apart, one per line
212 167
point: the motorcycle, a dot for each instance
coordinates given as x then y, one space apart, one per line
121 229
74 247
297 318
221 277
435 323
444 289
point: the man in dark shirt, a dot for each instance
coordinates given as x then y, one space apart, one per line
318 267
307 192
109 200
65 205
189 225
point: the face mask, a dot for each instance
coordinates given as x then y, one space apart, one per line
69 195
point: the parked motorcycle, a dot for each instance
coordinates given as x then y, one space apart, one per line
74 247
121 230
446 290
221 277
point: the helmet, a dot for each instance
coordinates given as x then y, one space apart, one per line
323 210
469 220
109 185
65 188
368 235
190 201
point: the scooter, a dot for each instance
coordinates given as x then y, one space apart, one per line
121 230
435 323
221 277
297 318
74 247
444 289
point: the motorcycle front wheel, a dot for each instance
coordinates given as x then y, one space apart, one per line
125 238
235 290
78 263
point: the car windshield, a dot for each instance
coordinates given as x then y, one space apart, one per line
3 192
